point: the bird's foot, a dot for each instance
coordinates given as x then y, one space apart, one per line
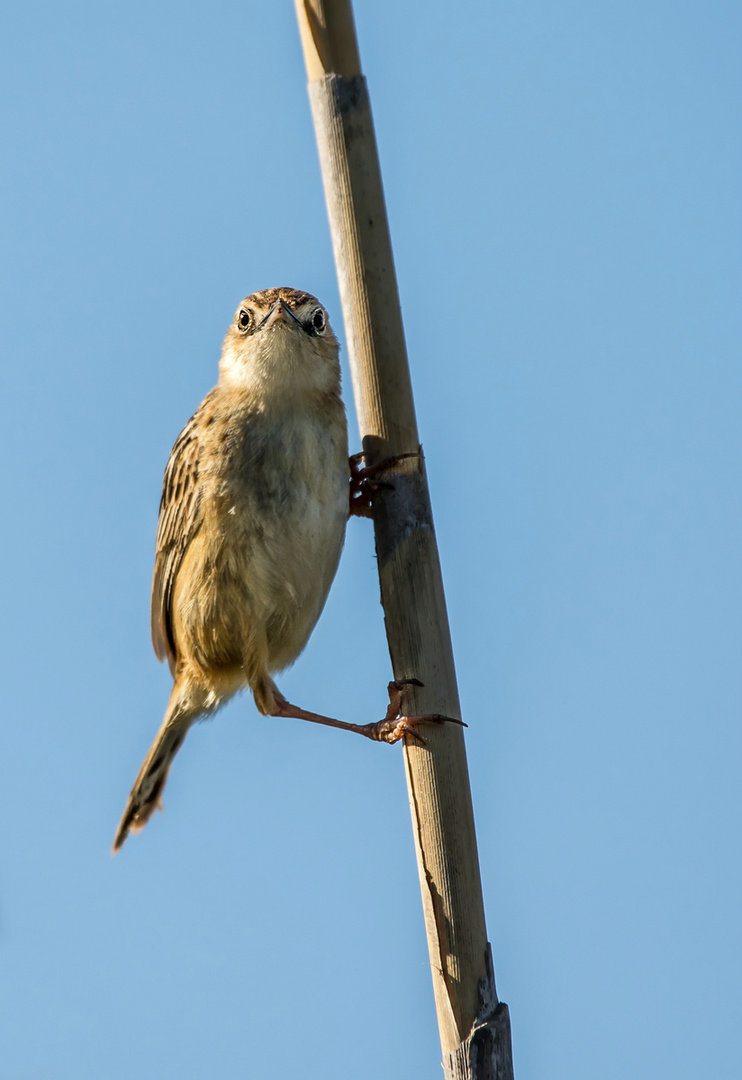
397 724
363 485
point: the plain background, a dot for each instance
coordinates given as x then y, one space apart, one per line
563 183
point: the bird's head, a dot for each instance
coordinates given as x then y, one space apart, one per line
280 343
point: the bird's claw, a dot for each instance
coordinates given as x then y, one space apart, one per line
396 724
363 486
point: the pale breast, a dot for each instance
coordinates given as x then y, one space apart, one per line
275 509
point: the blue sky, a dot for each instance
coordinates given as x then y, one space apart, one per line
563 184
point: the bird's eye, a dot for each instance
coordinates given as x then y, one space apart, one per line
318 321
243 319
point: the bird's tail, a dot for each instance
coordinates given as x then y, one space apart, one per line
187 704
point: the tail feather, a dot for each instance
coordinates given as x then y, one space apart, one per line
183 709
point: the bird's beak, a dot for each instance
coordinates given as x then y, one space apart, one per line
280 312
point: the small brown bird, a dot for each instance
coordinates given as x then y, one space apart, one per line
252 521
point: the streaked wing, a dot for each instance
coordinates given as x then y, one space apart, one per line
179 521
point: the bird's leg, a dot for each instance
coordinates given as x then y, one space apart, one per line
391 729
363 485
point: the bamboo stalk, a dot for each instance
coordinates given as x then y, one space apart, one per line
474 1027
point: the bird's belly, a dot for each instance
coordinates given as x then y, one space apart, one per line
258 585
296 570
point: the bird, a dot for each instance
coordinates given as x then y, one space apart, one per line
256 496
